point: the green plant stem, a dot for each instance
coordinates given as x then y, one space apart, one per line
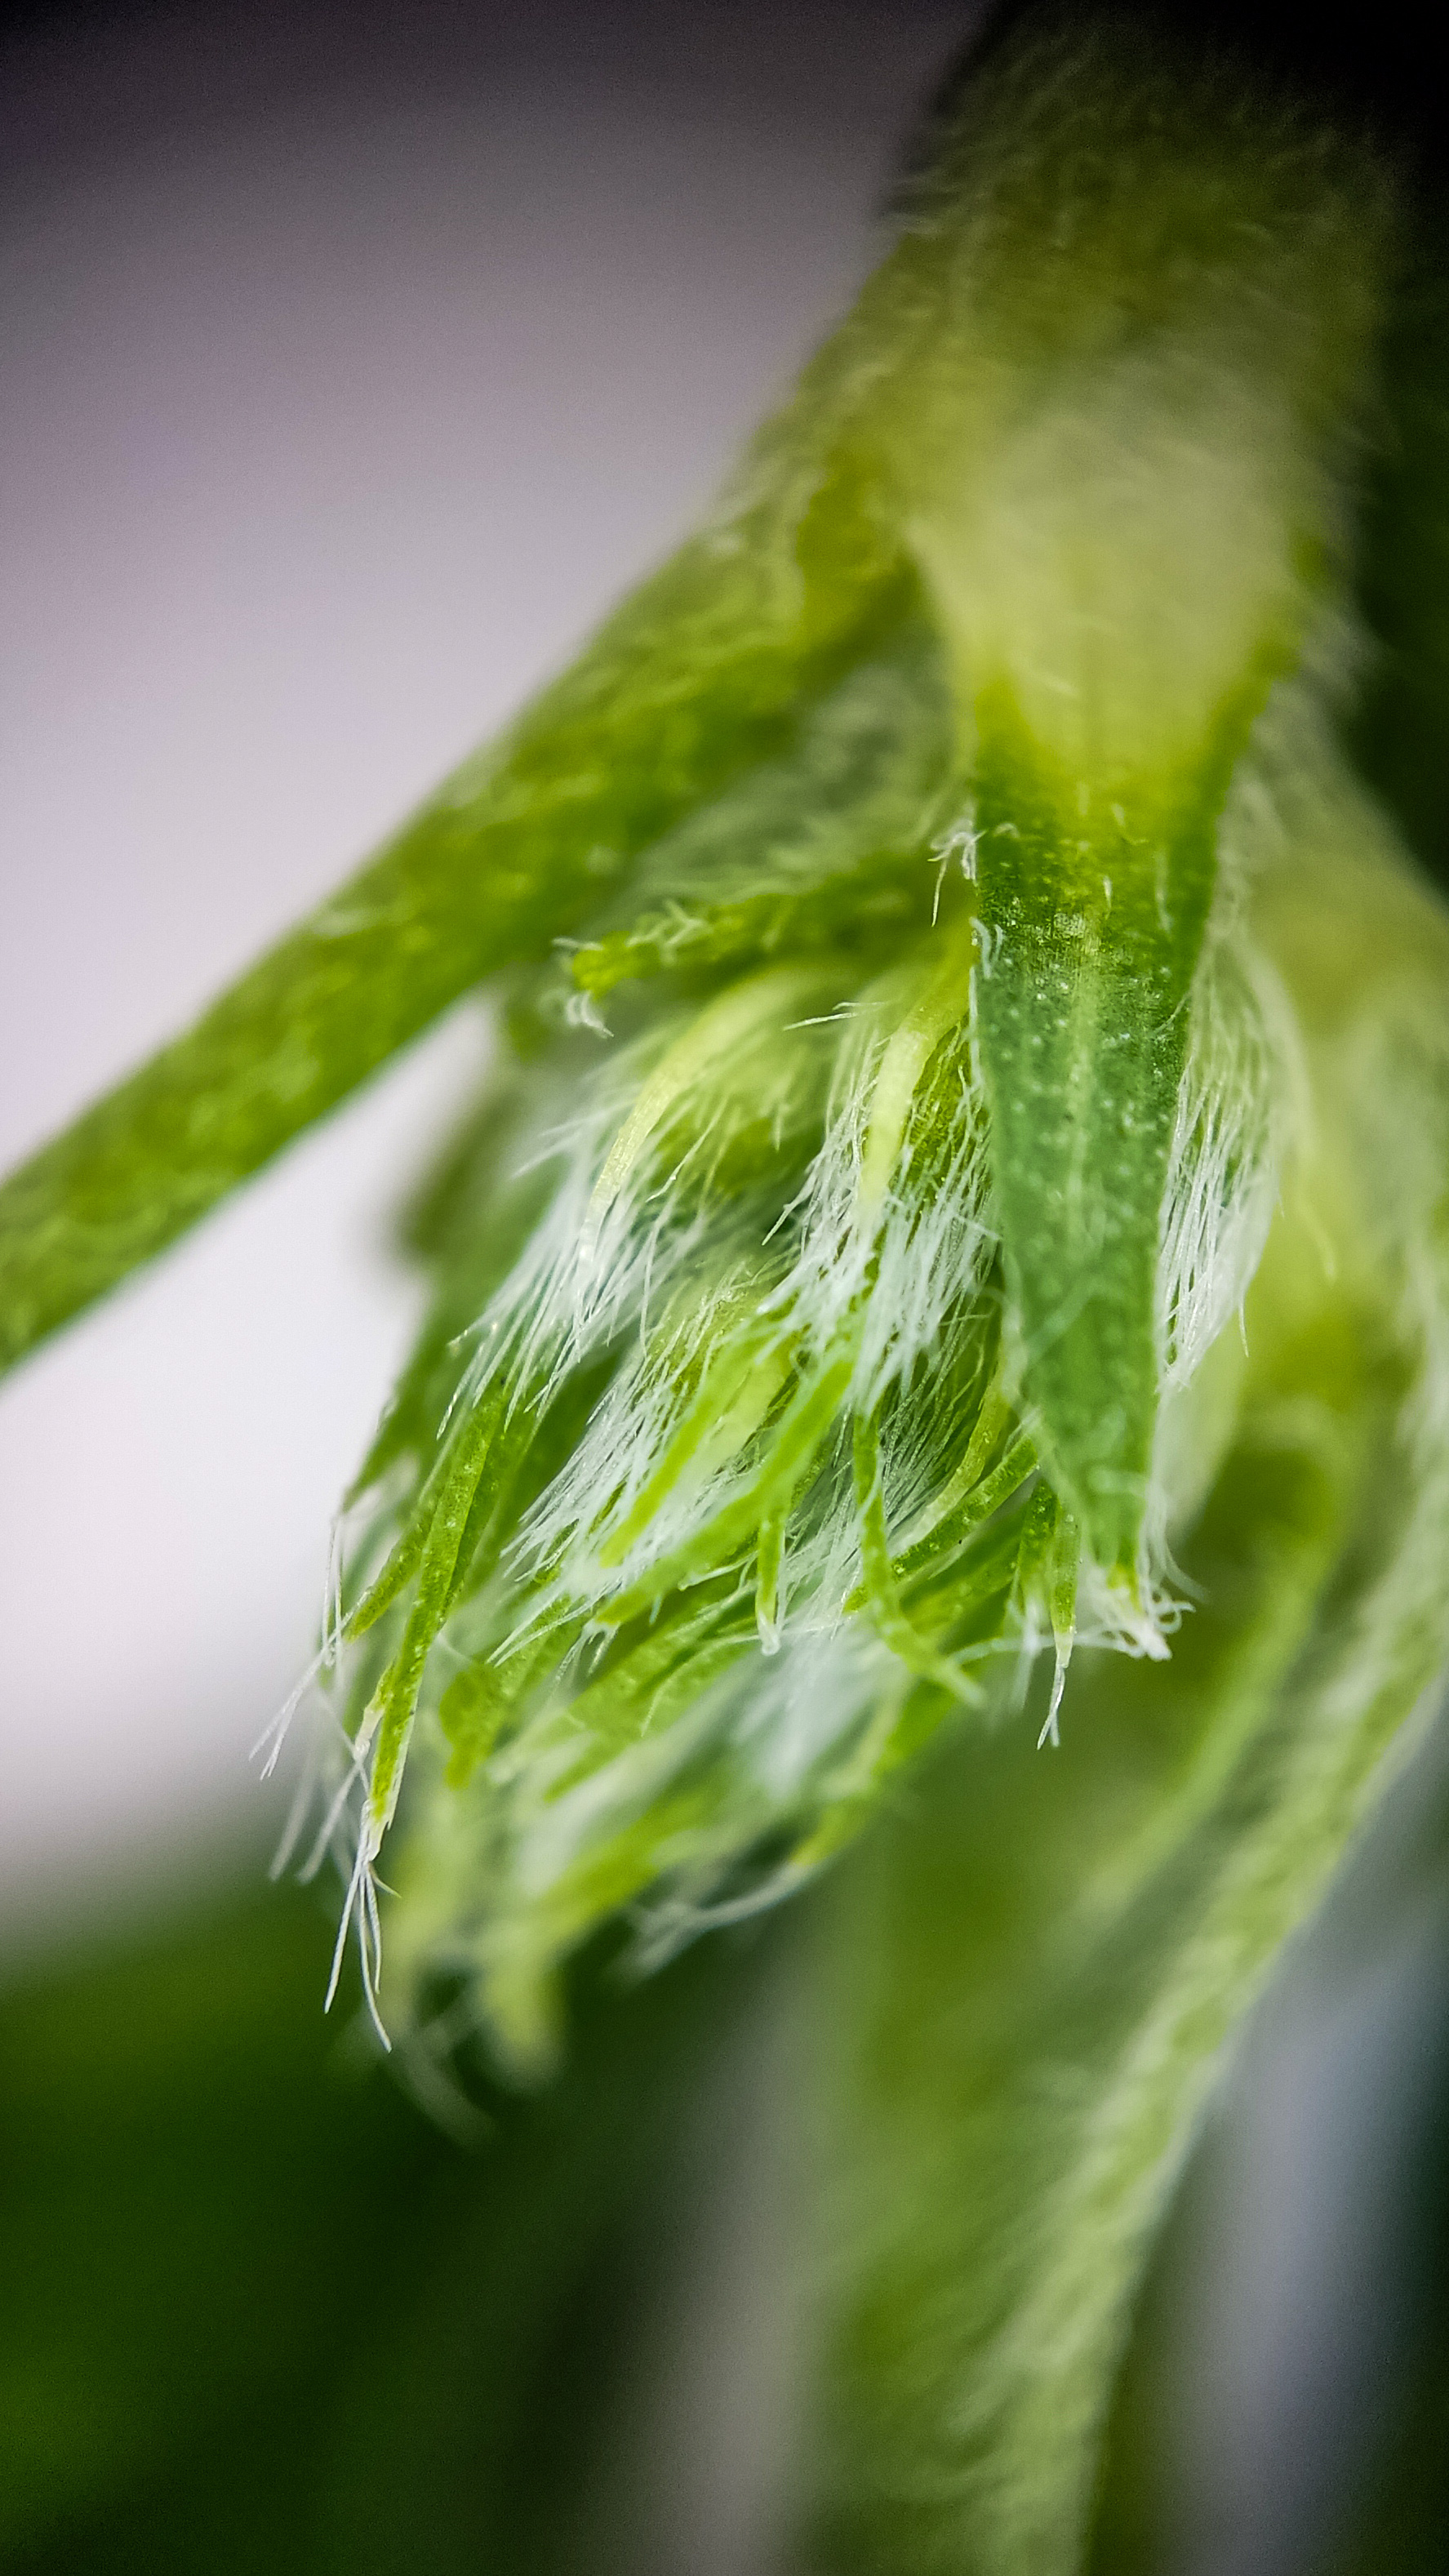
1037 2005
702 672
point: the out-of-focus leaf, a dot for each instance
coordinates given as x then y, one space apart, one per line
258 2311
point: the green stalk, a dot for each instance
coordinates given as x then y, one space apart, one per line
700 674
1037 1968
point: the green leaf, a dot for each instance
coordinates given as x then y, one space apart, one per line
1092 924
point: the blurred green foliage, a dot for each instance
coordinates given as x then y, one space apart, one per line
259 2312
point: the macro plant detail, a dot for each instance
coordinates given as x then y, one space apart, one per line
948 1280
